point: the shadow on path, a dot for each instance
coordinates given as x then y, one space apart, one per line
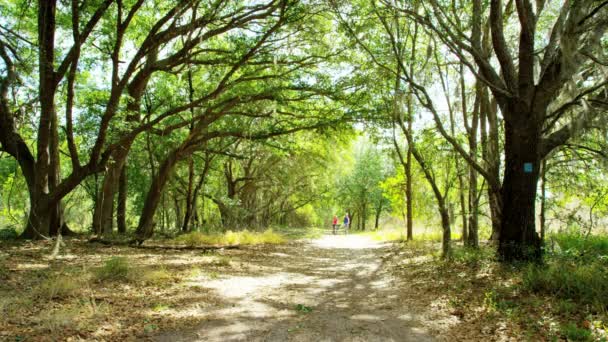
341 280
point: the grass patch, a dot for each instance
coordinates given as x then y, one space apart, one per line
472 256
60 287
155 277
114 269
386 235
160 307
55 321
581 283
244 237
399 235
578 246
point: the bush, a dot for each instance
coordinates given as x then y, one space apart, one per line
472 256
576 245
574 333
582 283
8 234
114 269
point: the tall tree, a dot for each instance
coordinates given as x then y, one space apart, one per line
540 99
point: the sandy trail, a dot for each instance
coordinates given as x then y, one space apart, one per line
340 278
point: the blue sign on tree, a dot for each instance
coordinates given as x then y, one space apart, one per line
528 168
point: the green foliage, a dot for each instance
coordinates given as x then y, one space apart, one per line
473 256
573 333
303 308
573 244
360 192
387 235
582 283
8 234
114 269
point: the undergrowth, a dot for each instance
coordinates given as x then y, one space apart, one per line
570 287
244 237
114 269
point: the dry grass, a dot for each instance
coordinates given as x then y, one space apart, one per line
60 286
244 237
93 292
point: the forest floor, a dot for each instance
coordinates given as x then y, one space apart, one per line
330 288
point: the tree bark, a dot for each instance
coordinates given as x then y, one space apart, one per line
39 221
518 239
446 229
543 200
189 199
121 212
103 216
473 238
145 227
377 221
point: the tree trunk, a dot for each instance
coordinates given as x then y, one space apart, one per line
145 227
492 158
121 213
363 216
177 208
473 238
463 209
103 216
195 194
104 205
377 221
408 189
189 199
543 199
40 219
518 239
446 230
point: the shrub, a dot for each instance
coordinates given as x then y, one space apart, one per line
472 256
576 245
582 283
114 269
574 333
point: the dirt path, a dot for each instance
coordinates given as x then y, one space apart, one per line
340 278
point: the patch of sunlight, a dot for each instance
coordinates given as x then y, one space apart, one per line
406 317
346 242
416 260
239 287
364 317
25 267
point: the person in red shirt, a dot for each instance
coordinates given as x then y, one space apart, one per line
334 223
